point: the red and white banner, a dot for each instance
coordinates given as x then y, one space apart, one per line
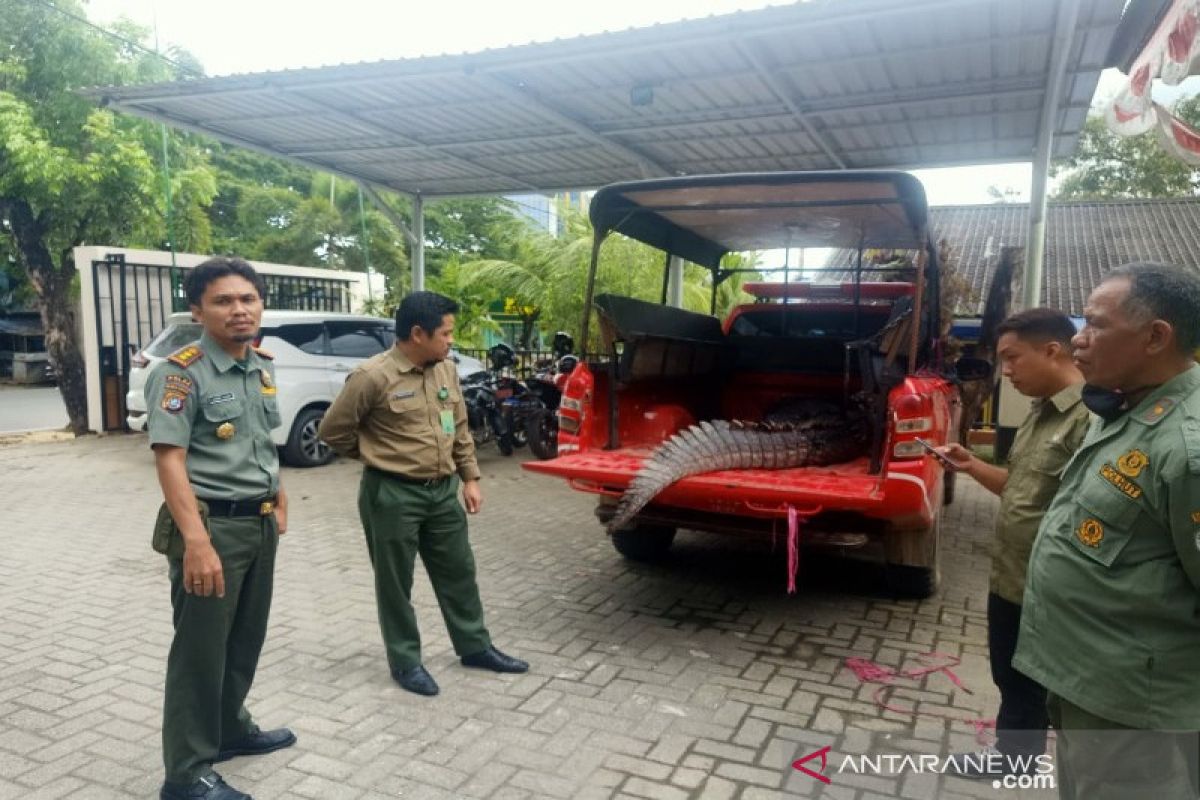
1170 55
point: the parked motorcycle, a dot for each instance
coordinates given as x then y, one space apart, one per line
484 418
546 388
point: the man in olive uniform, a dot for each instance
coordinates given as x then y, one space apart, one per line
1034 348
402 414
1110 624
212 406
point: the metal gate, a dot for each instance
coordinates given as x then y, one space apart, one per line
133 301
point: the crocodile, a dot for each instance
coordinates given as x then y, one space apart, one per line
828 436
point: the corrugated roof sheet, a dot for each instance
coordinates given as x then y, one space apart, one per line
1084 240
814 85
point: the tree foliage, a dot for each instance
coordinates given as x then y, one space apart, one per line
1106 165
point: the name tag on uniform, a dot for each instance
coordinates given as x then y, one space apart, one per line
447 418
217 399
403 395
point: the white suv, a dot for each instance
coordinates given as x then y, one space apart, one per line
314 352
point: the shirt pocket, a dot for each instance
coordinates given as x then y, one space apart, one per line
217 413
408 406
271 410
1104 523
1051 458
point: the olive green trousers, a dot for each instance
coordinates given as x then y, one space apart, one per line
215 651
1098 759
401 520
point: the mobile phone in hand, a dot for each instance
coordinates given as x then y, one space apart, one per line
933 451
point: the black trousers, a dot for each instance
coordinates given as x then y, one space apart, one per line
1022 720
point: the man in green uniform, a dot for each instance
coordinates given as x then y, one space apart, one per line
1110 624
402 414
212 406
1034 348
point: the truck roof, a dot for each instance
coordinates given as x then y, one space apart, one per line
702 217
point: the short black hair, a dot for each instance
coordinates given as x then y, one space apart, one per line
1166 292
1038 326
425 309
196 281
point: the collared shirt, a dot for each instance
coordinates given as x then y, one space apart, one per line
1111 618
222 412
1044 444
389 416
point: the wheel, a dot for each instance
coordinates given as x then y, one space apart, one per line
913 568
644 542
304 448
505 442
951 479
541 428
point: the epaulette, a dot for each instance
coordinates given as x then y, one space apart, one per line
269 356
186 356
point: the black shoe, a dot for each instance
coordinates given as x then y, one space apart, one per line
257 743
210 787
416 680
494 660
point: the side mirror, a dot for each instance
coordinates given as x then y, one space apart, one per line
973 369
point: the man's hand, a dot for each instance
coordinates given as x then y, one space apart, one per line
472 496
958 455
281 510
202 571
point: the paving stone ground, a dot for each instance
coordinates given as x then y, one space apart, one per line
698 677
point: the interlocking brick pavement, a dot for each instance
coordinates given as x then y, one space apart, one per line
697 677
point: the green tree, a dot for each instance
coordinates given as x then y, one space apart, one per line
1106 165
549 273
71 173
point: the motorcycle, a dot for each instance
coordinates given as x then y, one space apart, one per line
484 418
546 388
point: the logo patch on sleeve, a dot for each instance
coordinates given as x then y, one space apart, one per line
1090 532
1196 517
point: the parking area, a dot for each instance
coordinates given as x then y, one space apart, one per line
698 677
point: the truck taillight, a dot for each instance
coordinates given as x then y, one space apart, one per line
913 416
574 410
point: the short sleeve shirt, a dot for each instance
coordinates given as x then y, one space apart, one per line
221 411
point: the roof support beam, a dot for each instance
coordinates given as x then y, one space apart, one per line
1064 39
530 99
780 91
388 212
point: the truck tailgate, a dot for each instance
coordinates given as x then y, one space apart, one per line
758 492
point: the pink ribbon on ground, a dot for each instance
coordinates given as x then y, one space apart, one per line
868 671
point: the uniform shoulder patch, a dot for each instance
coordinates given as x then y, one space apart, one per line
268 355
186 356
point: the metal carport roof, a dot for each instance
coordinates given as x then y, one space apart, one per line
825 84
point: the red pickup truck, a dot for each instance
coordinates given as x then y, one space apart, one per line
801 409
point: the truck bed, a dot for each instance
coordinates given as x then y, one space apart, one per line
753 492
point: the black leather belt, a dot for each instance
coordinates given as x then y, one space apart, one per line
395 476
258 507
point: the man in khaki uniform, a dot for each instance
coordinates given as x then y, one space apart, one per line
1034 348
1111 622
212 406
402 414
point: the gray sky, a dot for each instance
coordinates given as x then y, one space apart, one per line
235 36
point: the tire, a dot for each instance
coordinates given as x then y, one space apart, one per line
303 448
505 443
951 479
917 581
541 429
644 542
